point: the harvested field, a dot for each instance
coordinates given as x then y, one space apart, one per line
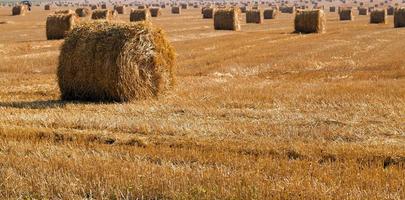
260 113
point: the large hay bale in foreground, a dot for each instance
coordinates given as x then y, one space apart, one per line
310 21
19 10
83 12
399 18
155 11
254 16
176 10
270 13
120 9
363 11
227 19
208 13
346 14
58 25
139 15
378 17
47 7
115 62
103 14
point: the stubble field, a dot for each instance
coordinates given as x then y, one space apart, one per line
258 114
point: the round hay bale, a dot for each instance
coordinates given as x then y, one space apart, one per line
64 12
58 25
399 18
94 7
120 9
139 15
227 19
346 14
19 10
47 7
270 13
208 13
310 21
363 11
176 10
103 15
155 11
103 6
83 12
115 62
378 17
332 9
254 16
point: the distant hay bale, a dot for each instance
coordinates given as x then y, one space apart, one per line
243 9
227 19
120 9
399 18
270 13
332 9
176 10
103 6
346 14
310 21
287 9
155 11
94 7
390 10
184 6
142 7
363 11
139 15
378 17
64 12
19 10
58 25
103 14
47 7
115 62
208 13
163 6
254 16
83 12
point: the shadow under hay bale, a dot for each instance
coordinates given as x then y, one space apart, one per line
378 17
176 10
227 19
115 62
104 15
363 11
19 10
310 21
399 18
139 15
208 13
120 10
83 12
270 13
346 14
254 16
58 25
155 12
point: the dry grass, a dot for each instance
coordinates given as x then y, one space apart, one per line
257 114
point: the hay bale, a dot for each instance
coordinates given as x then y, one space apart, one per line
120 9
184 6
94 7
142 7
115 62
103 6
139 15
64 12
163 6
19 10
270 13
227 19
243 9
208 13
346 14
332 9
83 12
399 18
310 21
287 9
155 11
378 17
103 14
363 11
254 16
176 10
47 7
58 25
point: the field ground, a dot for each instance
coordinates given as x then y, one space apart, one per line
256 114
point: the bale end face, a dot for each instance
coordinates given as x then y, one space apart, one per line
227 19
310 21
139 15
115 62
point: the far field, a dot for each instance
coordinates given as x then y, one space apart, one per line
258 114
